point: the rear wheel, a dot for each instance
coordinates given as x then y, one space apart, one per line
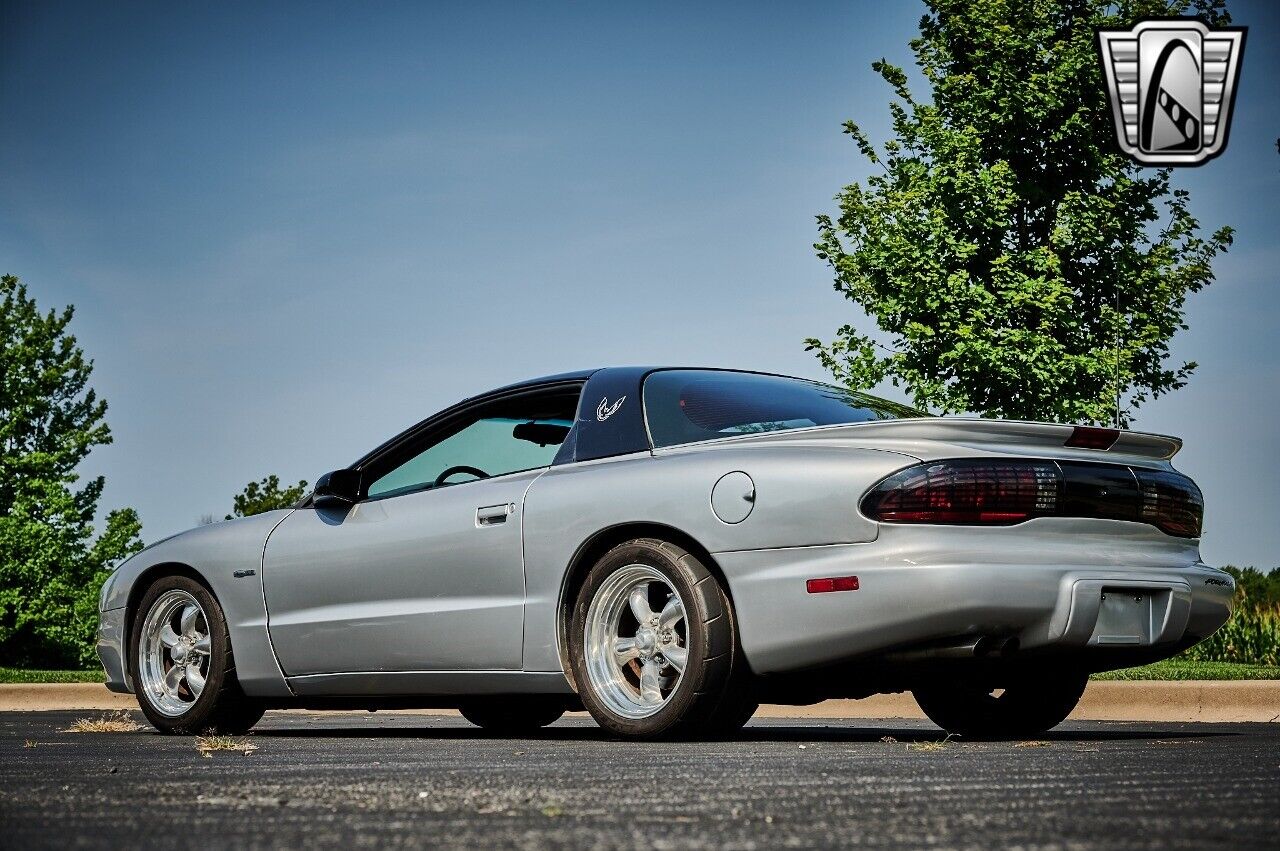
1025 706
654 645
183 669
512 715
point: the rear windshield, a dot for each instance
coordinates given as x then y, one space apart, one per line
689 405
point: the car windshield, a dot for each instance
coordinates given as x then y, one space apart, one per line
686 405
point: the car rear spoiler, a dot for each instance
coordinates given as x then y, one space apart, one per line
999 435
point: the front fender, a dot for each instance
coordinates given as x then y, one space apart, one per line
215 553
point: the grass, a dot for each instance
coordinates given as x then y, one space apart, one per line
1251 636
1190 669
927 746
24 675
115 722
206 745
931 746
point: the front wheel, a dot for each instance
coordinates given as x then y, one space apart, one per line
183 670
654 645
1025 706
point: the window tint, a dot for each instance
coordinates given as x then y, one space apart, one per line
685 406
493 445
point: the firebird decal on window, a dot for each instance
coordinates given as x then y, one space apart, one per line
605 410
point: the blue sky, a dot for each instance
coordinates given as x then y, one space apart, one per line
291 230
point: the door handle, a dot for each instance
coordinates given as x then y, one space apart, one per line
492 515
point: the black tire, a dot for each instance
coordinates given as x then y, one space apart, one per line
1028 705
710 698
513 715
221 707
735 710
739 701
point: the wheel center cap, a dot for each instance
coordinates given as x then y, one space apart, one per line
646 640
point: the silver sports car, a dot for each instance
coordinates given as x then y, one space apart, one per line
669 548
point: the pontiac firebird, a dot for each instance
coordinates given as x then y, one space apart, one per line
669 548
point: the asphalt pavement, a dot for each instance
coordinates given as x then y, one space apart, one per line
397 780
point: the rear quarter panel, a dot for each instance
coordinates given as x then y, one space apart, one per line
806 494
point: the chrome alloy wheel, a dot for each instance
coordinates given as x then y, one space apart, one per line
173 652
636 642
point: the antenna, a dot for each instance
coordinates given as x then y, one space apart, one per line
1116 285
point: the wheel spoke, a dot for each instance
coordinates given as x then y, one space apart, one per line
195 679
639 600
650 690
624 650
188 621
168 637
174 653
677 656
672 613
173 678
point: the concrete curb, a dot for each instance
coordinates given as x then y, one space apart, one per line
36 697
1180 701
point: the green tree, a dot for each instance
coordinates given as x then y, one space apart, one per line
266 495
1255 588
51 565
1020 264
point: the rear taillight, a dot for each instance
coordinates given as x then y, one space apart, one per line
1170 502
965 491
972 491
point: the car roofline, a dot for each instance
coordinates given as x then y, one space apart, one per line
558 378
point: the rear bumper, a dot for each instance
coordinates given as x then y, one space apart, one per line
111 649
1149 605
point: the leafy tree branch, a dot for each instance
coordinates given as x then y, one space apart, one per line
1021 265
51 564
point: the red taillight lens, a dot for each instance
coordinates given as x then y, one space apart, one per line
974 491
1170 502
966 491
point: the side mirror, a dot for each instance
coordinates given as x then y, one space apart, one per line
338 489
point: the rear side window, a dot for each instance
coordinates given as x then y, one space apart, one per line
690 405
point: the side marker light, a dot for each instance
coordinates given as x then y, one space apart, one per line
837 583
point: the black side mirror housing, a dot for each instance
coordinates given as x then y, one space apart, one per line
338 489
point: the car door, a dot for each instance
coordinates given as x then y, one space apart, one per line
425 572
